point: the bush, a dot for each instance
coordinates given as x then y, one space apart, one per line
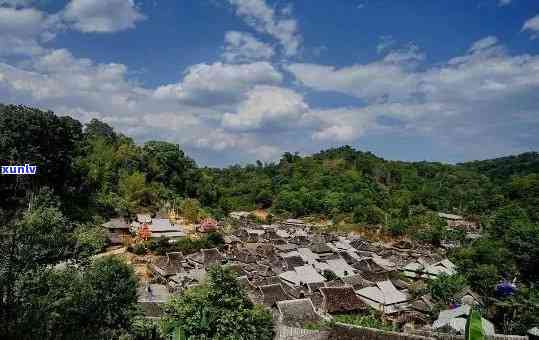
91 239
215 239
219 307
138 249
371 320
444 287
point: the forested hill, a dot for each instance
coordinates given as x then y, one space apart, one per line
95 170
503 168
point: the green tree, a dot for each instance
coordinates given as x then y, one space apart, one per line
191 210
444 287
219 309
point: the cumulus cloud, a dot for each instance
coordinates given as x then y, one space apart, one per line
470 96
532 25
218 83
267 107
380 80
264 19
23 30
244 47
59 81
483 44
102 16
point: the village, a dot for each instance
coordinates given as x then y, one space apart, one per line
305 274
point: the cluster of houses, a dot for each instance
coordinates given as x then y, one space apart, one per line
122 231
304 276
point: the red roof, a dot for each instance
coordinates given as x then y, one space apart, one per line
207 225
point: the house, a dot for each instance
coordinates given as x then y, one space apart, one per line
340 299
301 275
118 230
360 244
291 222
207 225
238 215
151 298
293 259
338 266
422 269
165 266
144 218
357 281
161 227
468 296
454 321
458 222
384 297
296 313
307 255
254 235
273 293
206 257
321 249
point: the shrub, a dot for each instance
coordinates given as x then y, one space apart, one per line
138 249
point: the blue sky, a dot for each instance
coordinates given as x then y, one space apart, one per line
233 81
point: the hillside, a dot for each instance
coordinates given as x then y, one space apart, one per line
89 173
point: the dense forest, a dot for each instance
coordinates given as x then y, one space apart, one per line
91 172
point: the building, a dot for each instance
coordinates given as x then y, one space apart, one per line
340 299
160 227
458 222
207 225
118 230
384 297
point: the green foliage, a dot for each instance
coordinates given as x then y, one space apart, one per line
474 327
518 313
94 302
138 249
135 192
91 239
101 172
370 320
444 287
191 210
370 214
329 275
220 309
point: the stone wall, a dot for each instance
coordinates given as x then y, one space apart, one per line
349 332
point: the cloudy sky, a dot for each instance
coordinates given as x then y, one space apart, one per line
233 81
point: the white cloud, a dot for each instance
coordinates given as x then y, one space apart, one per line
342 124
102 16
264 19
267 107
502 3
22 31
380 80
218 83
16 3
483 44
532 25
466 100
81 88
244 47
